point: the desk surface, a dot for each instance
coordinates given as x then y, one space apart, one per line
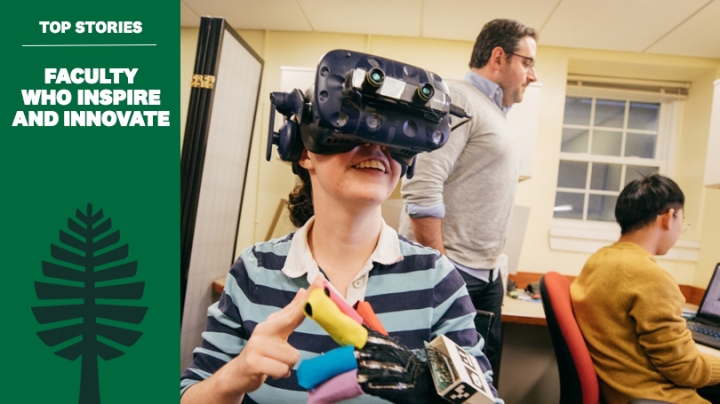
523 312
707 350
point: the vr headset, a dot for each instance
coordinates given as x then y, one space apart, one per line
359 98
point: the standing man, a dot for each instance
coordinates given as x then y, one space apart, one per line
460 200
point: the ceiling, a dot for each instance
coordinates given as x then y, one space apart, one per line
674 27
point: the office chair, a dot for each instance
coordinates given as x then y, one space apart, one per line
578 380
483 321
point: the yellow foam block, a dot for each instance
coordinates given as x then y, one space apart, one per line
343 329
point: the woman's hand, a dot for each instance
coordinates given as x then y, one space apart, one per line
267 352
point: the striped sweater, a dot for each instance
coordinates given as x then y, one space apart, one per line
417 298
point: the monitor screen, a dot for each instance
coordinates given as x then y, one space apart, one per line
711 302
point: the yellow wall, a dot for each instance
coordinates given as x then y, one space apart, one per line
267 183
710 236
702 210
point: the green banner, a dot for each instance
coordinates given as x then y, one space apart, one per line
90 185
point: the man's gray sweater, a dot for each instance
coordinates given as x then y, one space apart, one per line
474 175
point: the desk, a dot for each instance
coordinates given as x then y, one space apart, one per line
518 311
218 285
707 350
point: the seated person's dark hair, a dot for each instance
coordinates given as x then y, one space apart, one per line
643 199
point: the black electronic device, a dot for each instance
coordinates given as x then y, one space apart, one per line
533 290
359 98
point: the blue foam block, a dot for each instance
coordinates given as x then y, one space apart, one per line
315 371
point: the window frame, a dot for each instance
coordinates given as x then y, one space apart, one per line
666 134
589 235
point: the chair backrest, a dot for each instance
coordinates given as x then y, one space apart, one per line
578 380
483 321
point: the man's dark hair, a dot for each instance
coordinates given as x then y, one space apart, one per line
642 200
503 33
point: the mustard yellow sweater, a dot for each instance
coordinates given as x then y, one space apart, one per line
628 309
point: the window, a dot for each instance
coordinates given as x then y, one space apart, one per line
610 137
606 143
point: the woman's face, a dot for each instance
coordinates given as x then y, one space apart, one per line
366 175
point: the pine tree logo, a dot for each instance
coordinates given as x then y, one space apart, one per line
89 267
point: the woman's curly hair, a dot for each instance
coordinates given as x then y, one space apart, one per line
300 202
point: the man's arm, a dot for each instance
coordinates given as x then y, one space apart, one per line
424 193
428 232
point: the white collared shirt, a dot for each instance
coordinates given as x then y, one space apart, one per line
300 261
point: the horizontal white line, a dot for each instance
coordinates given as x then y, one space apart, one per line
112 44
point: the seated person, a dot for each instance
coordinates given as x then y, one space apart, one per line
628 307
255 333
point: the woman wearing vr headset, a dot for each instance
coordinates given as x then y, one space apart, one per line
256 335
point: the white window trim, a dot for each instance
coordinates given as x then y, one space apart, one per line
589 236
566 235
